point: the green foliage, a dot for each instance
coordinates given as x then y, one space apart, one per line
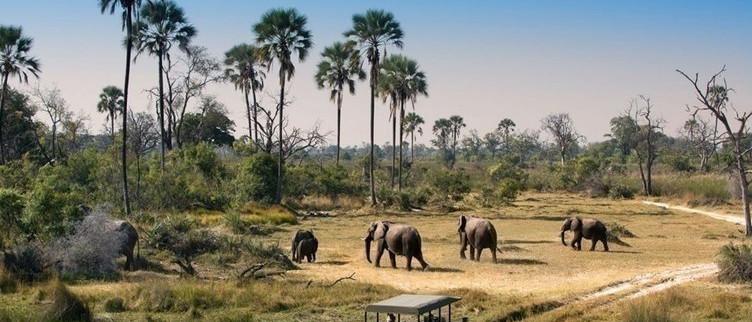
735 263
621 192
256 179
11 208
681 164
508 178
449 186
53 203
331 181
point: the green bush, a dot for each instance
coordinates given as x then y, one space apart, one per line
681 164
114 305
449 186
509 180
621 192
735 263
53 203
256 179
11 210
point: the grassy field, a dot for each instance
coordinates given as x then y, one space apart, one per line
535 271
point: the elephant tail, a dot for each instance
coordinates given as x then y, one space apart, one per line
616 240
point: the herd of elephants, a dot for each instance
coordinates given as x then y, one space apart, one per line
404 240
478 233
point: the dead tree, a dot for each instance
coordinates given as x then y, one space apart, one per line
561 127
646 147
713 98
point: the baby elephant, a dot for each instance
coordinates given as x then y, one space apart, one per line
479 233
588 228
309 246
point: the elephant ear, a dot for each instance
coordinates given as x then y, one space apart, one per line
463 222
576 224
381 230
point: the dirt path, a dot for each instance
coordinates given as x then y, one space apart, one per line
730 218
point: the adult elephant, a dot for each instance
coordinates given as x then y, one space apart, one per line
588 228
128 240
299 236
479 234
397 239
307 249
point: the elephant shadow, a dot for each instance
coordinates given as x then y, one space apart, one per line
333 262
624 252
444 270
521 261
514 241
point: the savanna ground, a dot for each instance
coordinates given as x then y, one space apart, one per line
536 278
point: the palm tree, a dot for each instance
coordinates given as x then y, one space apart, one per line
506 127
340 65
14 61
128 6
407 83
457 124
162 24
111 102
244 69
412 124
282 33
373 30
387 89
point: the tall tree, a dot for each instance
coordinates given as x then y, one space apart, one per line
339 67
457 124
413 124
443 129
404 78
282 33
162 24
15 61
506 127
374 30
111 102
51 102
143 139
491 142
129 7
713 97
245 70
647 139
700 134
561 128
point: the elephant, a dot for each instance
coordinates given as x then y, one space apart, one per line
299 235
588 228
397 239
128 240
307 248
479 233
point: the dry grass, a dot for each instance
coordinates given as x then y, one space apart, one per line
535 272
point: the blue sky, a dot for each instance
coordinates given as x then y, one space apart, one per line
485 60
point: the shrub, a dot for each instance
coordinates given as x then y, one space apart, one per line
735 263
114 305
25 262
619 230
646 311
53 204
621 192
507 190
449 185
681 164
185 243
66 306
256 179
7 283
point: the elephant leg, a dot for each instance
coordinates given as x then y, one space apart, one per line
129 260
314 256
409 263
463 241
477 257
419 257
577 241
605 244
393 259
379 252
472 253
493 254
592 246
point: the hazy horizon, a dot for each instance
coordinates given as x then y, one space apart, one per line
484 60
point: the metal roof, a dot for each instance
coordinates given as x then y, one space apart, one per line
411 304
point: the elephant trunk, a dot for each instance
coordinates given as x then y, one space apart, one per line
368 248
562 237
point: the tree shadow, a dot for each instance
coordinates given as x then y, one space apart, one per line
512 248
521 261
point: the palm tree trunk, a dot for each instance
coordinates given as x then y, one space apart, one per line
112 124
255 114
278 196
394 143
339 120
371 178
412 146
161 112
124 148
248 115
402 118
2 111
